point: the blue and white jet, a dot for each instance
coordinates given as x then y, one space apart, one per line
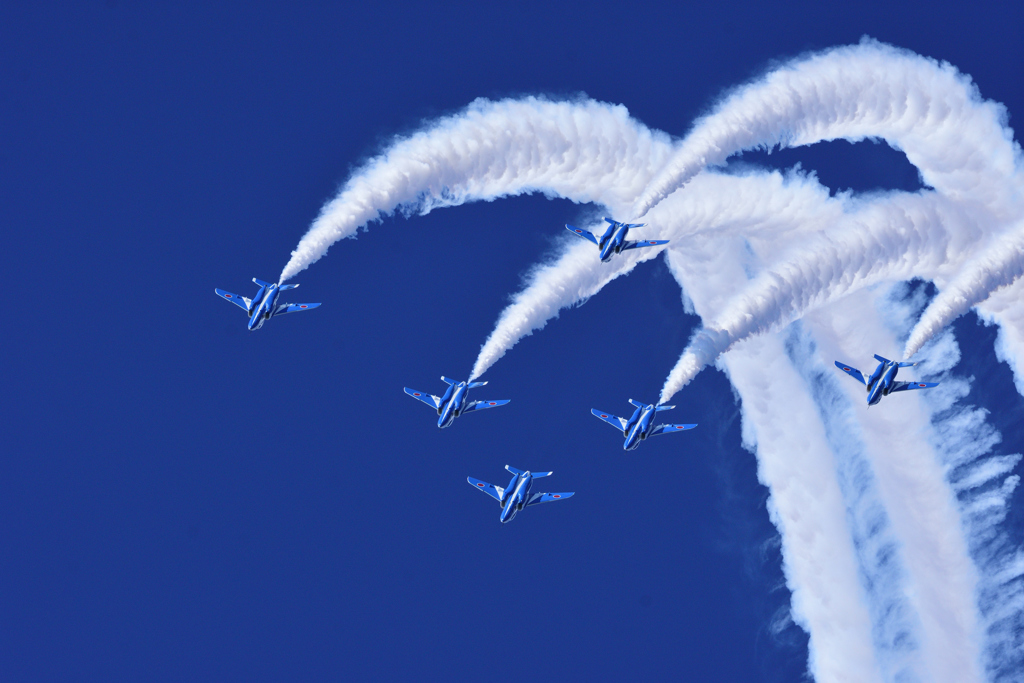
516 495
641 425
882 381
264 306
614 239
454 402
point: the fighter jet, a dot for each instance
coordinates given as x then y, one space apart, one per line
641 424
614 239
454 402
264 306
882 381
516 495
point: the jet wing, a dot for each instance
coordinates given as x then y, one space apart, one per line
481 405
291 308
630 244
490 489
237 300
581 233
851 371
617 422
538 498
432 401
668 429
907 386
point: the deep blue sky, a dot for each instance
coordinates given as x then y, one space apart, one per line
184 500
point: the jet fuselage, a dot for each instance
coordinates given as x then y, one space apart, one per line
639 426
515 496
612 240
881 381
263 306
452 403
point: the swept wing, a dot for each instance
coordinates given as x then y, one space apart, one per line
852 372
581 233
237 300
667 429
907 386
538 498
481 405
431 400
617 422
291 308
491 490
642 243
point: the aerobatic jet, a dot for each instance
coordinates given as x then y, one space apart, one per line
614 239
264 306
641 424
882 381
516 495
454 402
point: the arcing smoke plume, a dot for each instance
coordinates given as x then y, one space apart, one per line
586 151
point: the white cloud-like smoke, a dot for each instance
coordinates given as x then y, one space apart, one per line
891 521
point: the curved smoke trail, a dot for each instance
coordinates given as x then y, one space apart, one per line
586 151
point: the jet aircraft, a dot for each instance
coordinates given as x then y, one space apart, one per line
882 381
264 306
516 495
454 402
641 425
614 239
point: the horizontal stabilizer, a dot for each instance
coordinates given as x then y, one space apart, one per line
513 470
491 490
852 372
882 360
541 474
667 429
292 308
538 498
261 283
907 386
474 385
638 404
284 287
432 401
482 405
617 422
581 233
237 300
906 364
448 381
661 408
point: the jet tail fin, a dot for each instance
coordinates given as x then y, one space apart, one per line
513 470
882 360
261 283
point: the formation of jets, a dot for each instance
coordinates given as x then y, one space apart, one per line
636 429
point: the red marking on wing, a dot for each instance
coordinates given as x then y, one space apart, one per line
556 496
480 485
604 415
229 296
416 393
922 385
492 403
303 306
846 369
580 231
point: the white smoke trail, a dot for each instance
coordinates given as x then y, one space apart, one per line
923 107
773 203
891 237
586 151
1000 265
1003 308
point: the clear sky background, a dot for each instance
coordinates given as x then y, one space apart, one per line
185 500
